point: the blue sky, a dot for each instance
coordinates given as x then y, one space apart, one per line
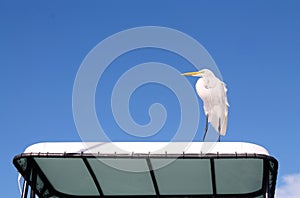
255 45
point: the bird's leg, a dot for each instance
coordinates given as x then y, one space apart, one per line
206 127
219 130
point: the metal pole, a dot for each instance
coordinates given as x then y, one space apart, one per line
25 189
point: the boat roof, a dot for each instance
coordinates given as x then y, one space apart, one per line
147 147
147 169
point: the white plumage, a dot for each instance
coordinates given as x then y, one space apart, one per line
212 91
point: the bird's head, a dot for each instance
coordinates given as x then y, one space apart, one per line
201 73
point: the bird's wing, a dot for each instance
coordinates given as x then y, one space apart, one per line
225 114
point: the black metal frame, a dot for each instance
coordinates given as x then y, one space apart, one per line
32 169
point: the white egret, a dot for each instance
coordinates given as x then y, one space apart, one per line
212 91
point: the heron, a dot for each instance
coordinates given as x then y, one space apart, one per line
212 92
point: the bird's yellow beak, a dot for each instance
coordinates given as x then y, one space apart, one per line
191 73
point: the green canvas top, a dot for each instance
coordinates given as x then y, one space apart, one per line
148 169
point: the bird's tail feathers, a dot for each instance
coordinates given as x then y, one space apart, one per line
224 127
224 124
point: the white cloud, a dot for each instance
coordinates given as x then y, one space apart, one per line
290 187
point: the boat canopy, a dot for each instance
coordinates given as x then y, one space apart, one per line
147 169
